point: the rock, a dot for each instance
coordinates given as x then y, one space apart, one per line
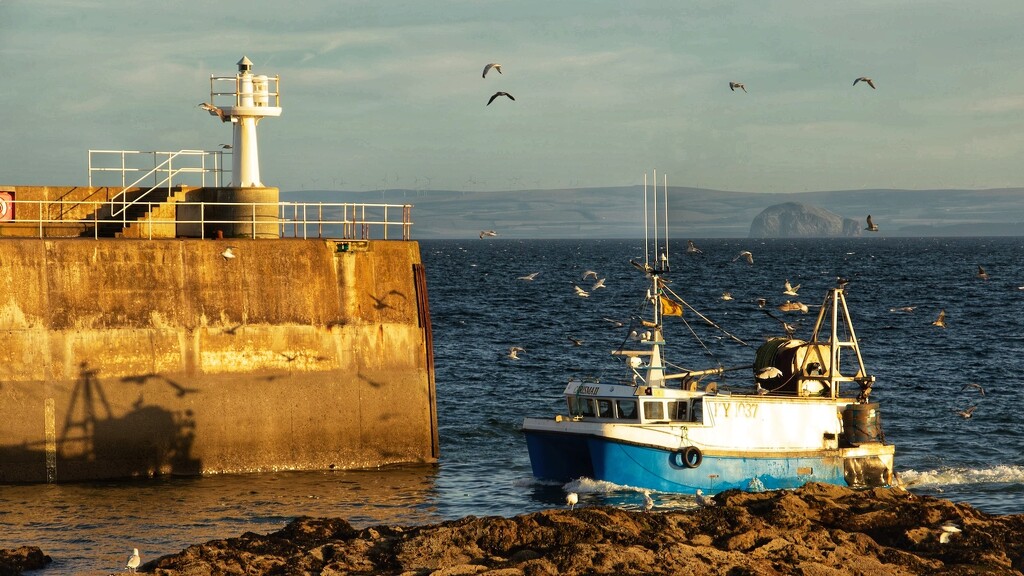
795 220
814 530
17 560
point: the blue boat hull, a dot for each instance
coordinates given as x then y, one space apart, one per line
565 457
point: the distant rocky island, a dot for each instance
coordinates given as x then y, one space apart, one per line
617 212
796 220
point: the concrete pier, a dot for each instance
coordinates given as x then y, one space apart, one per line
131 357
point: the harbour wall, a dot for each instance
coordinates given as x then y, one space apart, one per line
130 357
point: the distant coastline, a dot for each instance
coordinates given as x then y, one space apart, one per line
613 212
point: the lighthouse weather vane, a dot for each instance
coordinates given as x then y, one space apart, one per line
251 98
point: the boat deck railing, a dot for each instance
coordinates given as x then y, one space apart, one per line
83 218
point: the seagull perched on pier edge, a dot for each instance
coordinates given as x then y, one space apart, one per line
228 253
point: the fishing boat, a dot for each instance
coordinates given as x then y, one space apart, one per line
807 416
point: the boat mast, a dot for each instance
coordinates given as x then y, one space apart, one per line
834 305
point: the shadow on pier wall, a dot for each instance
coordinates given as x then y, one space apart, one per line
95 442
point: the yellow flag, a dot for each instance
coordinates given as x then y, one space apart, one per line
670 307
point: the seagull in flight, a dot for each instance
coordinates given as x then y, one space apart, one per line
228 253
981 273
691 248
514 351
966 412
941 320
973 385
726 295
615 323
214 111
872 227
488 67
590 274
788 306
490 233
571 499
865 79
790 289
906 309
581 292
745 254
496 94
598 284
734 85
529 277
575 341
133 561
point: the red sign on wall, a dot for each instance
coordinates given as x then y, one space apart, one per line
6 206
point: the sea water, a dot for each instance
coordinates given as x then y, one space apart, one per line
480 308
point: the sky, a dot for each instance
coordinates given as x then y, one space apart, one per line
388 94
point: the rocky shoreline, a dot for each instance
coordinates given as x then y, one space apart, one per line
815 530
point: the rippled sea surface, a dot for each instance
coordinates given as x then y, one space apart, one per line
480 308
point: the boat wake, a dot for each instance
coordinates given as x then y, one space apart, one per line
1003 474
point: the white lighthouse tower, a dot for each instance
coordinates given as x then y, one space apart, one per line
246 209
253 98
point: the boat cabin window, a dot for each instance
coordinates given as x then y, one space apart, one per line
654 410
698 412
626 409
604 409
581 406
679 410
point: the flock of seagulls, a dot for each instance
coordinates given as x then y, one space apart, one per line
497 67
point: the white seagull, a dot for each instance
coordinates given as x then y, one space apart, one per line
726 295
214 111
133 561
514 351
948 530
530 277
703 501
581 292
973 385
494 65
648 501
745 254
734 85
598 284
571 499
228 253
490 233
865 79
872 227
691 248
790 289
589 274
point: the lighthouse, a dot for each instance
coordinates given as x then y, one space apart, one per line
247 208
252 98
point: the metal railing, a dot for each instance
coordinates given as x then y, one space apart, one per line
347 221
204 163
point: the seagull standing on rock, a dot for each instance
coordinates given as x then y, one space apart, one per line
571 499
702 500
133 561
